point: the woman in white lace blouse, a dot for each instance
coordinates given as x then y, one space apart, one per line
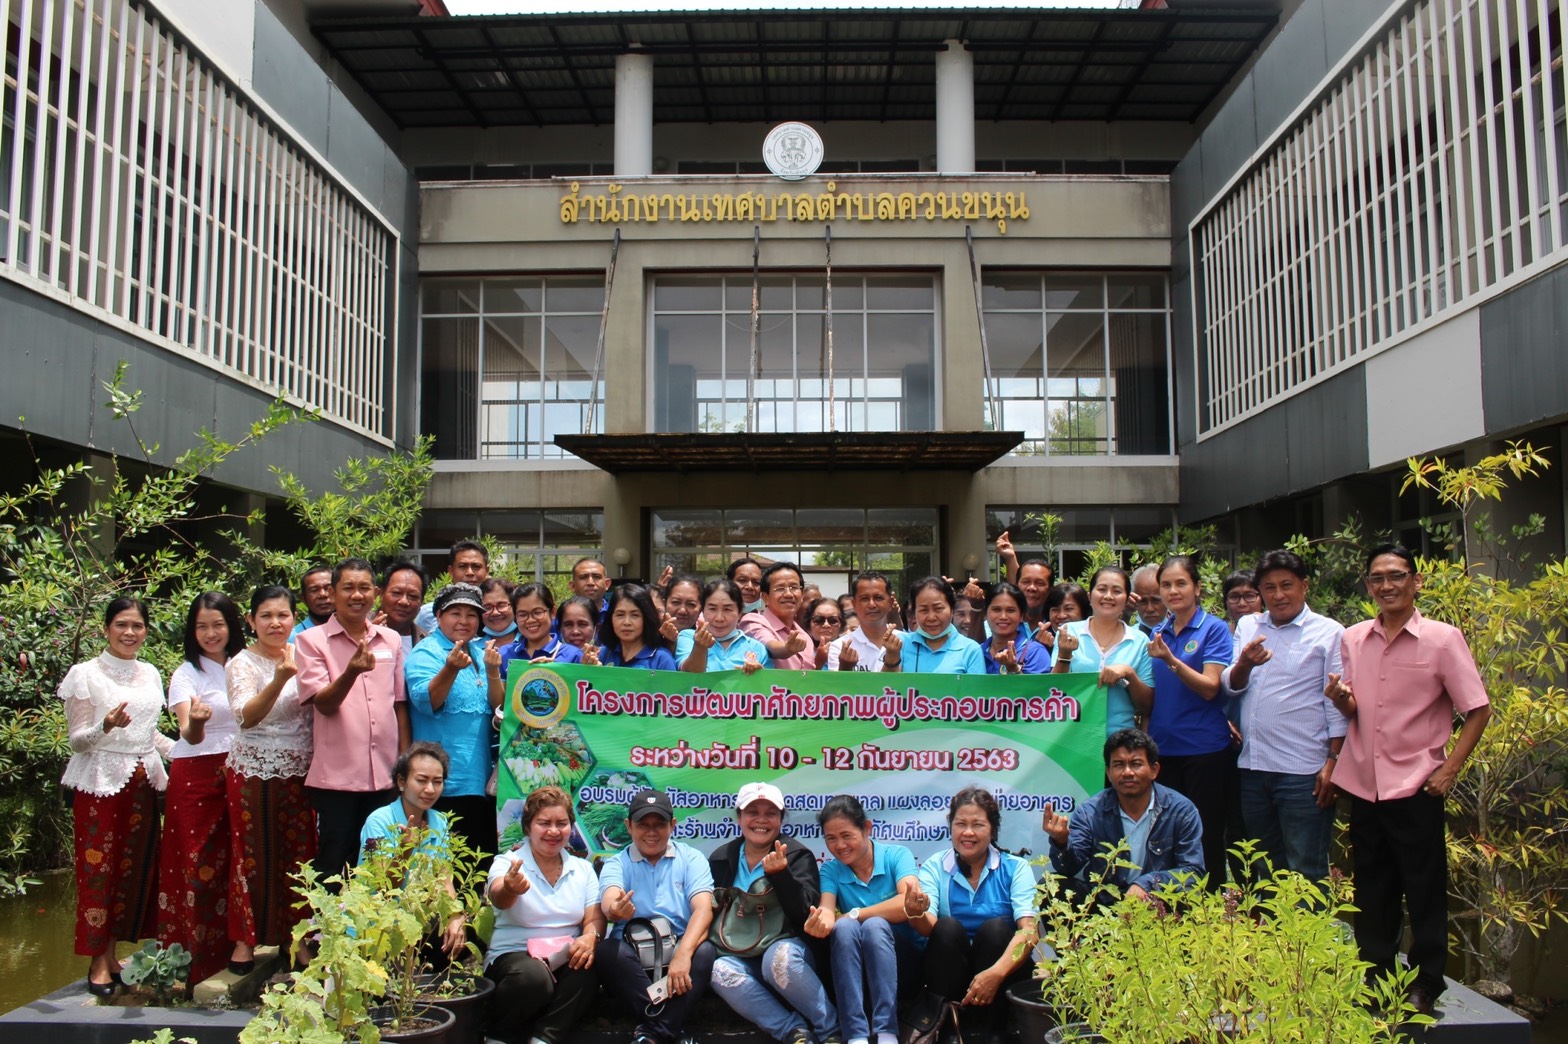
112 704
273 822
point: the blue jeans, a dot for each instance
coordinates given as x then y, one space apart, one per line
869 961
752 986
1281 813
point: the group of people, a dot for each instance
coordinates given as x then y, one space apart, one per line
295 745
856 935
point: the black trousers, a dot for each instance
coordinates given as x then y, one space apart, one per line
623 976
952 960
1207 781
475 821
1398 851
340 816
530 1001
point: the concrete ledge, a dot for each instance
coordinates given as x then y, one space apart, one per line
240 990
1466 1017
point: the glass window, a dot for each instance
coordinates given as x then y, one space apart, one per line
504 384
876 372
1080 360
534 545
1078 530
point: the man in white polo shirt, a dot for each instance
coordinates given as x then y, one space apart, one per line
873 646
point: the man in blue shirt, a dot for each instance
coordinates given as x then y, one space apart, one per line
1291 731
1160 827
657 877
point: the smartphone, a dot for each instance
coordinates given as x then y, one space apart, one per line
659 992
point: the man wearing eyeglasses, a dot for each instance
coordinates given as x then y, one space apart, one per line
1405 678
788 644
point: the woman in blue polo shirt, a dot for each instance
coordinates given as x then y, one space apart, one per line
870 942
717 643
533 607
629 633
1106 645
1189 650
1011 649
976 905
935 646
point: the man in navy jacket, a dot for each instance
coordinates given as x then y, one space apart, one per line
1161 828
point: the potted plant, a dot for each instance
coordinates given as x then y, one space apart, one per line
1269 961
162 970
463 990
432 884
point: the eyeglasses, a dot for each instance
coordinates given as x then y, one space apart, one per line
815 620
785 589
1396 578
1242 596
491 610
541 614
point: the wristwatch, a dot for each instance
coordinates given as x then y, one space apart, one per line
854 915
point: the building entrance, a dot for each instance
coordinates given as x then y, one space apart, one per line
830 545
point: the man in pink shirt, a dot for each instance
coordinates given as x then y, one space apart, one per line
351 672
1405 679
788 644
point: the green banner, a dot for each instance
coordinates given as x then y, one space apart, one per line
902 743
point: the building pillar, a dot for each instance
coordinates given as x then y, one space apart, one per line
955 110
634 115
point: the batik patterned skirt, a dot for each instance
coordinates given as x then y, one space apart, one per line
193 863
273 827
116 865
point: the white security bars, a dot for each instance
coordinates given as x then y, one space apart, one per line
135 181
1432 174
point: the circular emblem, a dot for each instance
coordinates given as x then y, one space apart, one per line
539 699
1192 645
792 151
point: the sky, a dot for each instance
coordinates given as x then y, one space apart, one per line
462 7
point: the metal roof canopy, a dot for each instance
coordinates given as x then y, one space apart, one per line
768 66
793 451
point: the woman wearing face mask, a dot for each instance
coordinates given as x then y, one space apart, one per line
719 644
193 864
273 820
629 633
454 685
495 595
112 704
1105 645
546 903
975 903
1011 649
935 646
1190 650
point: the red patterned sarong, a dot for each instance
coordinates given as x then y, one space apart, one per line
193 863
273 826
116 865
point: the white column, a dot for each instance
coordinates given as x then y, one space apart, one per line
955 110
634 115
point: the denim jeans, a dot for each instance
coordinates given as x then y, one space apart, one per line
869 961
1284 817
752 986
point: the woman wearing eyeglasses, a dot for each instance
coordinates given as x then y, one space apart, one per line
825 623
1240 591
533 607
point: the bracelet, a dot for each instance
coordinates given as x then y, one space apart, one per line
892 663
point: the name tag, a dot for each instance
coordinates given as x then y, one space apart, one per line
382 654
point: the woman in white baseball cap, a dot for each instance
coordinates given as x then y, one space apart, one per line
779 989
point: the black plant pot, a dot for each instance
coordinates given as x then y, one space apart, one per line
470 1009
1073 1033
436 1033
1033 1016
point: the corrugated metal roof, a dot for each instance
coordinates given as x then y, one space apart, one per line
768 66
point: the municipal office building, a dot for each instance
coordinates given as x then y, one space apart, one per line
846 287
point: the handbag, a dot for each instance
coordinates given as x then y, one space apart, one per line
747 922
553 950
653 940
925 1019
